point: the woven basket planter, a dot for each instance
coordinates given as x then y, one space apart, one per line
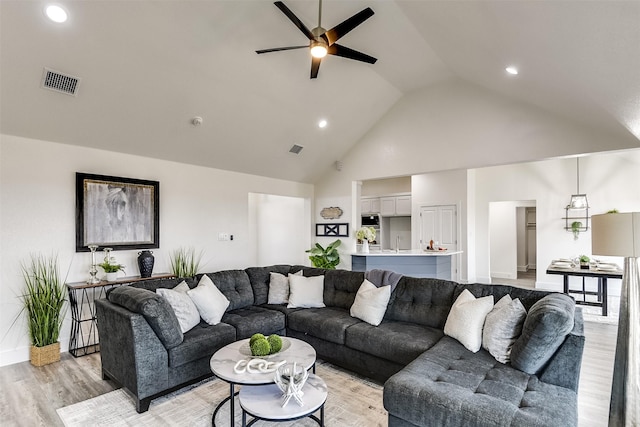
41 356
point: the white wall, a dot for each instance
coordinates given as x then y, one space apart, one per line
455 126
503 240
387 186
610 181
37 214
443 188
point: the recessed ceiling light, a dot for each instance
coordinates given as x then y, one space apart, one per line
56 13
322 124
512 70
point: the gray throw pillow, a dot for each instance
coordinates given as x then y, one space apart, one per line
545 329
502 327
155 309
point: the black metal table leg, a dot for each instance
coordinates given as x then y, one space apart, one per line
605 307
231 398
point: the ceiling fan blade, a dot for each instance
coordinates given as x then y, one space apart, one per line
331 36
315 66
298 23
277 49
345 52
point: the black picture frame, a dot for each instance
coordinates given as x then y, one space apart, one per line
116 212
332 229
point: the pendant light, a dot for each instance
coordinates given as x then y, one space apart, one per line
578 201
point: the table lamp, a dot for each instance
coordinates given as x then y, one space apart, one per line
618 234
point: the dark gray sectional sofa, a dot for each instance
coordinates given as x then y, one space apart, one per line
430 378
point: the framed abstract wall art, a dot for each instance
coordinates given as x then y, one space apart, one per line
115 212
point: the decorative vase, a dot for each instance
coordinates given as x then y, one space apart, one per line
365 246
584 265
145 263
111 277
41 356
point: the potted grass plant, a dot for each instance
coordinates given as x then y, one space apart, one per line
44 303
185 262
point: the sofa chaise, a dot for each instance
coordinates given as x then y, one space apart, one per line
430 378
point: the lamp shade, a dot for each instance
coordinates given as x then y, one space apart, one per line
616 234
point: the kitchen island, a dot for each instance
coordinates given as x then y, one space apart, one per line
414 263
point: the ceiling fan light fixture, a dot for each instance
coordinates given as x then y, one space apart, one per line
318 49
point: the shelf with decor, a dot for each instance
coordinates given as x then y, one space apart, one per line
576 220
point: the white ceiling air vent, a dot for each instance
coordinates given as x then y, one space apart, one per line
56 81
296 149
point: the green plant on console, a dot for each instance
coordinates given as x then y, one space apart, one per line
327 257
584 258
43 299
110 266
185 262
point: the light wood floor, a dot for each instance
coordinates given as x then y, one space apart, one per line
29 396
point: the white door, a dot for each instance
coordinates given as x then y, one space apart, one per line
440 224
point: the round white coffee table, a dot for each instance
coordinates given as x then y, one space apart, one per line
263 402
224 360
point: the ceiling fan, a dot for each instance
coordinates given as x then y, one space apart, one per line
323 42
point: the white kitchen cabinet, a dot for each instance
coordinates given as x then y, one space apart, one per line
387 206
370 205
403 205
395 206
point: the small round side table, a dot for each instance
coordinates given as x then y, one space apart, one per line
263 402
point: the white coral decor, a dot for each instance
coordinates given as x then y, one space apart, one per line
366 233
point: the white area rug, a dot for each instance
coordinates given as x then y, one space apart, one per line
352 401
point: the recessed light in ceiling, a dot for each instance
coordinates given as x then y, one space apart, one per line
322 124
512 70
56 13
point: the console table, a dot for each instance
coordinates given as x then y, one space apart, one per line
84 331
601 275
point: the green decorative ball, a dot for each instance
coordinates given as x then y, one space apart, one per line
275 342
255 337
260 347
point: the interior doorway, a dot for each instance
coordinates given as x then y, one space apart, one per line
512 242
279 225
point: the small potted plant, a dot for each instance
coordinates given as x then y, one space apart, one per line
575 229
584 262
43 301
111 268
327 257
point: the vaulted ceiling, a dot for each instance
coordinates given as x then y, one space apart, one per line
147 68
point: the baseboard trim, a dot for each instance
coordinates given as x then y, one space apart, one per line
21 354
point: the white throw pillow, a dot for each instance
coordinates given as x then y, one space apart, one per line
279 288
502 328
466 319
306 292
371 303
210 301
182 305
